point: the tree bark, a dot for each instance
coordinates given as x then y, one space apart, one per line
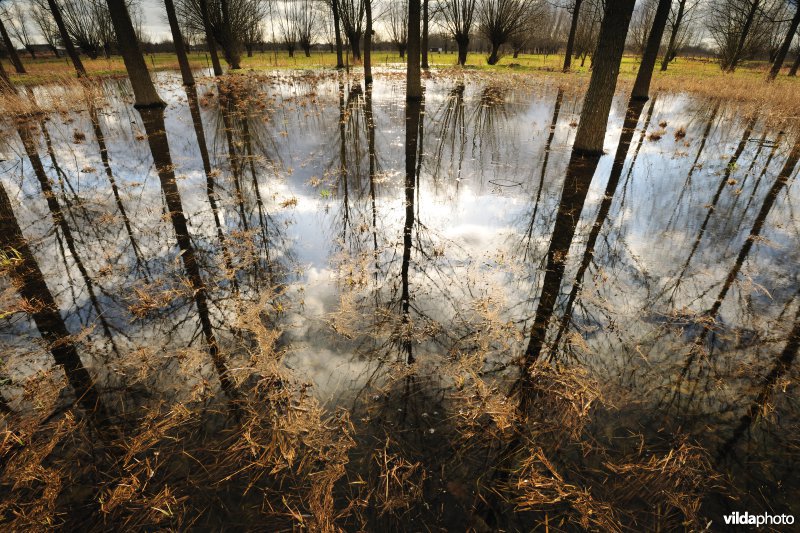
143 89
180 48
597 103
795 65
337 30
413 73
494 56
641 87
12 52
463 47
670 52
573 28
5 81
368 44
784 49
425 34
212 47
62 29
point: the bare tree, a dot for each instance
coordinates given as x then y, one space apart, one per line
397 25
9 45
458 17
337 31
307 25
368 43
225 22
680 18
46 24
83 25
177 39
500 20
413 72
351 15
573 28
787 42
587 35
597 102
641 87
19 27
739 28
288 25
143 89
66 39
641 22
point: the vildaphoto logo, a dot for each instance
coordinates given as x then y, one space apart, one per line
746 519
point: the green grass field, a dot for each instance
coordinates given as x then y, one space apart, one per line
43 70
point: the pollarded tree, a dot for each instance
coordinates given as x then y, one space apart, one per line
500 20
307 24
288 25
458 17
351 16
397 25
224 21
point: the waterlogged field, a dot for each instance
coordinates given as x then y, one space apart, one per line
305 305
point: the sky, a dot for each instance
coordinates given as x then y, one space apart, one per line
155 20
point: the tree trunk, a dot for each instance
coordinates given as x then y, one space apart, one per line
12 52
795 65
231 45
62 30
31 51
355 46
368 44
337 30
669 55
425 35
597 102
144 91
641 87
54 49
463 46
402 50
5 81
494 56
784 49
413 73
212 48
249 48
573 28
180 48
307 50
734 61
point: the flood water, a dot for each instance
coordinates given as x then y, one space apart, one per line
666 269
